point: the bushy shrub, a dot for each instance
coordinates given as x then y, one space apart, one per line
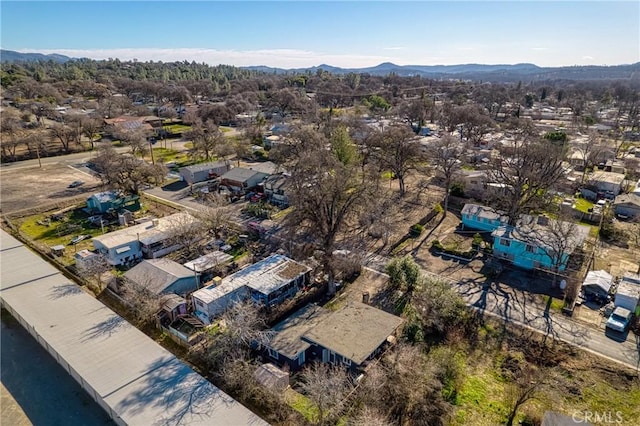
437 245
417 229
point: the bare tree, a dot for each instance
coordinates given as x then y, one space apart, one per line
125 172
65 134
186 231
12 135
214 218
405 387
526 169
447 154
240 328
370 417
417 111
327 195
91 129
94 269
553 239
398 151
471 120
588 152
206 137
144 305
525 387
326 386
136 138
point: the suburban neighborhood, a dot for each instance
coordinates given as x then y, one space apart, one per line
326 246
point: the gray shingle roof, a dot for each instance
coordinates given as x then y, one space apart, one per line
355 331
156 275
288 339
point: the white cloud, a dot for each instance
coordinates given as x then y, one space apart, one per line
588 58
395 48
539 48
286 58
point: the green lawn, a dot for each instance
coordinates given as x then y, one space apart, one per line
583 205
302 404
224 129
54 234
165 155
481 397
556 304
177 128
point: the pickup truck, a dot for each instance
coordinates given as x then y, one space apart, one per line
620 319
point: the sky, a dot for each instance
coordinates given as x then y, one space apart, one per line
339 33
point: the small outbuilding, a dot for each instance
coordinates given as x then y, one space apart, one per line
597 283
271 377
202 172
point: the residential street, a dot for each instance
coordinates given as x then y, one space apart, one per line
514 306
521 308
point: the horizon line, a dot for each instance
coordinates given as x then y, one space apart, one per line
270 52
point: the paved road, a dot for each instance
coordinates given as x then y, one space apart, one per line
522 308
69 159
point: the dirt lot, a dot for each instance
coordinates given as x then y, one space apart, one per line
26 188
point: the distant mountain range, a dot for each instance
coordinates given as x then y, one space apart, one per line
491 73
12 56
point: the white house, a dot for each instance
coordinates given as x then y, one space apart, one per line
268 282
129 245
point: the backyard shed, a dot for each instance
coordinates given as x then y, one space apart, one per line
270 376
597 283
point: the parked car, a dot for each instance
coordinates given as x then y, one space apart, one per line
620 319
79 238
75 184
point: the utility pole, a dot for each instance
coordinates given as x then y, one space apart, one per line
38 155
151 150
